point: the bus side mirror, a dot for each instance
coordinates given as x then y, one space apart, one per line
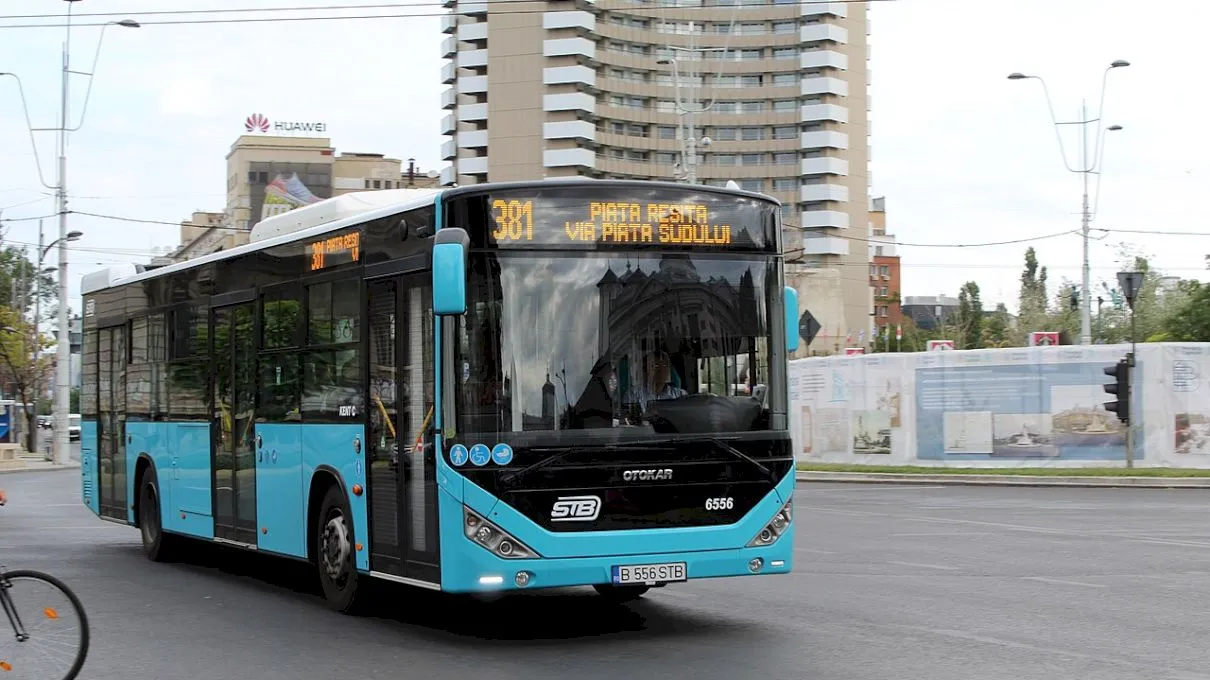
449 271
791 305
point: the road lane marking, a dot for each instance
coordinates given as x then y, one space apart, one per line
922 565
1062 582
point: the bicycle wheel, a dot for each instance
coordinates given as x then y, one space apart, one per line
39 608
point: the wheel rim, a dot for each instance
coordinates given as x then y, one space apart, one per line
149 518
336 547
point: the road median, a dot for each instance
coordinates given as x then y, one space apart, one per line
1154 478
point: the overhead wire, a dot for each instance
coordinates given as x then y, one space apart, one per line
277 18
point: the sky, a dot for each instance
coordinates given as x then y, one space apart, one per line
962 155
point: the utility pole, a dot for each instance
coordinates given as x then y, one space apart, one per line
1087 167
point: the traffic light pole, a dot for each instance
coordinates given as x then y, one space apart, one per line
1130 380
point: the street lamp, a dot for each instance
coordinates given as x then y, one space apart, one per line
688 107
63 346
1087 167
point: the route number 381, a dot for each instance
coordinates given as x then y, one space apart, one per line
720 503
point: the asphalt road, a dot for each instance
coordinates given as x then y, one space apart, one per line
891 582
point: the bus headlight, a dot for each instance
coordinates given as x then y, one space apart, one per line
493 538
776 526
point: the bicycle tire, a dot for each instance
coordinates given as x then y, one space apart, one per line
85 633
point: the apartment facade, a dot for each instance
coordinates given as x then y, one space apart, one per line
603 89
268 175
885 285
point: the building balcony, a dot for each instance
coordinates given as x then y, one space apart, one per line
472 84
824 245
569 101
472 112
560 75
449 98
823 59
448 176
449 23
468 8
825 166
449 72
562 158
811 113
812 193
569 129
824 85
818 32
570 19
836 9
824 139
449 150
476 165
472 139
449 47
449 123
567 47
472 58
473 32
823 219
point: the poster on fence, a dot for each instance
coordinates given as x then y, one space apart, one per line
1024 407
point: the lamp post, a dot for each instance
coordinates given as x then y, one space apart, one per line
63 346
1087 167
688 108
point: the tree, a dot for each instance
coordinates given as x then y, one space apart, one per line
24 363
1190 321
17 284
1032 312
968 320
996 328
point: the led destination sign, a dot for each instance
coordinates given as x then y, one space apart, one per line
619 223
334 251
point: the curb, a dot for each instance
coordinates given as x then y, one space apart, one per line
46 468
1006 480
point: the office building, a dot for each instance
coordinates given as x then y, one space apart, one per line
884 272
268 175
603 90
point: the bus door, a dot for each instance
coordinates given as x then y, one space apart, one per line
111 422
402 479
232 458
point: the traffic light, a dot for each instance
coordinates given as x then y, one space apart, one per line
1120 388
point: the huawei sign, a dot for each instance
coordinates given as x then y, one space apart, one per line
256 123
259 123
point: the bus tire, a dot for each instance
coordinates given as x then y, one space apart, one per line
334 553
158 546
620 594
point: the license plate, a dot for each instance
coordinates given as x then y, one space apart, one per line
649 573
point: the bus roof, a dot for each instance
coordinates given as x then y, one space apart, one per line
350 209
319 218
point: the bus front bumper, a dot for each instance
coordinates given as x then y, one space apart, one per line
472 569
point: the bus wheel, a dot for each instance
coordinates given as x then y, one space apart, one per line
158 546
620 594
334 551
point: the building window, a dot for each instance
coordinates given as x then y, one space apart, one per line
785 105
785 184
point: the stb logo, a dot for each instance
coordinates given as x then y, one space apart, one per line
256 123
576 509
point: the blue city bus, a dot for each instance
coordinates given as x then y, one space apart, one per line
484 388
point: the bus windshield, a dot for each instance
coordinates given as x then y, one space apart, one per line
634 342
